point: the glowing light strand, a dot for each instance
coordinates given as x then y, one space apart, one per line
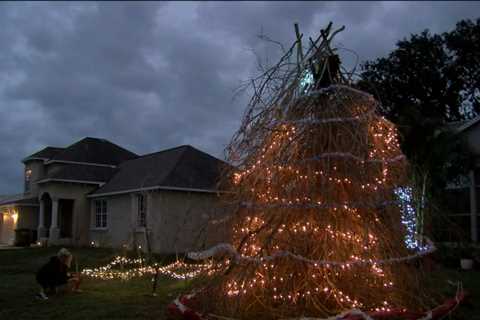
354 313
409 217
136 268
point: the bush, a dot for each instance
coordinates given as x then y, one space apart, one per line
23 237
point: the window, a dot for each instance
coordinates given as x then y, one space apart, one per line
141 210
28 176
100 213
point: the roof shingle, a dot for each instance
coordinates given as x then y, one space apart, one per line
93 150
18 199
46 154
180 167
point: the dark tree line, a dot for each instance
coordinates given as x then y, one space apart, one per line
426 84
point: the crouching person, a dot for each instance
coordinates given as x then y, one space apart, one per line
54 277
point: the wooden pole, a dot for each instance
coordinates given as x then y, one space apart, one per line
155 282
299 45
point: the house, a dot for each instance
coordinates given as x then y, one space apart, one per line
95 192
464 198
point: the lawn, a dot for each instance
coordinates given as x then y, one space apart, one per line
115 299
112 299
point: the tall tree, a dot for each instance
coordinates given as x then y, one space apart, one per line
464 45
426 83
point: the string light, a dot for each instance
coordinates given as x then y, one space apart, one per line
322 221
409 219
358 252
133 268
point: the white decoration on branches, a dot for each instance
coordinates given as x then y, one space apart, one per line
333 87
350 205
348 155
353 157
226 248
329 120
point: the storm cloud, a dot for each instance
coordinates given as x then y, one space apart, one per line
149 76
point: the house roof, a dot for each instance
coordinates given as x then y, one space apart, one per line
88 150
183 167
79 173
18 199
94 151
44 154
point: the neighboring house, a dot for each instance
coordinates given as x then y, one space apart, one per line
94 192
464 198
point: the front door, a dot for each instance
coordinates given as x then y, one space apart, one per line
65 217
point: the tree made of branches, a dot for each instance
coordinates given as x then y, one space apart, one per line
322 221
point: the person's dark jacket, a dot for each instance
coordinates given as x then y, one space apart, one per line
52 274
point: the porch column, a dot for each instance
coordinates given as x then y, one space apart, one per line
473 208
41 230
54 230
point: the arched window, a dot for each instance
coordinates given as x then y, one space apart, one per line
28 176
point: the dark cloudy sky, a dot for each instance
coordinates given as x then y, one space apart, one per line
149 76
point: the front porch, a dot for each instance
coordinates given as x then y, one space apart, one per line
55 221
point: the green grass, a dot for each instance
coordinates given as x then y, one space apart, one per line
470 281
132 299
113 299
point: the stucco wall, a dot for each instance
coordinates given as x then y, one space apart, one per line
81 206
38 172
118 231
178 222
27 217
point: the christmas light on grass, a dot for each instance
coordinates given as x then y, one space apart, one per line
124 268
322 220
